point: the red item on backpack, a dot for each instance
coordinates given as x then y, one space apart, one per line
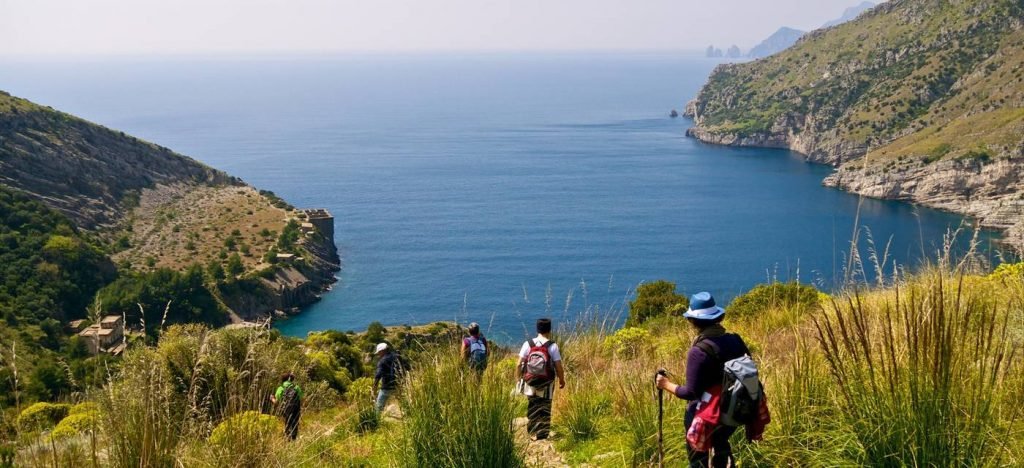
705 421
755 430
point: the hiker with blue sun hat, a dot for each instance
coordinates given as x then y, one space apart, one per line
708 443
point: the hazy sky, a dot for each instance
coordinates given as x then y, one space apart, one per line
34 27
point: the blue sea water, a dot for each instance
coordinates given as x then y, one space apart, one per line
491 187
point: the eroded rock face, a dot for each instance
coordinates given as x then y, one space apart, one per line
990 192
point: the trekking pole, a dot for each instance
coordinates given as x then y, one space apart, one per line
660 415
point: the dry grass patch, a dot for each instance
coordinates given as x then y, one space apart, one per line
177 226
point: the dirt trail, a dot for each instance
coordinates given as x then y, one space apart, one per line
539 453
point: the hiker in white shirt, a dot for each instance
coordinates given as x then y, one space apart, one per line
539 363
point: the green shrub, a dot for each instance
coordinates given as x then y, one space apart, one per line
629 342
768 298
1008 270
76 424
652 300
246 439
42 416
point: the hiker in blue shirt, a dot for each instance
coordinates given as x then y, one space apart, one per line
288 398
474 349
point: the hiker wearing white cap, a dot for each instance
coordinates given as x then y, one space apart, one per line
386 377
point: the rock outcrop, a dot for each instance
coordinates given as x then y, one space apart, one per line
291 286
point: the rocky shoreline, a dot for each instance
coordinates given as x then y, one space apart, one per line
988 192
293 286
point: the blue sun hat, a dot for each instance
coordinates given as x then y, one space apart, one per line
702 307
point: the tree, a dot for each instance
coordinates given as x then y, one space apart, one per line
235 266
654 300
47 381
375 332
216 270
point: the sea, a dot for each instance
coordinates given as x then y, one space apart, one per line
496 187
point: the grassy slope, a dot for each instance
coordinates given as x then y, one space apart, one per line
181 227
939 337
908 71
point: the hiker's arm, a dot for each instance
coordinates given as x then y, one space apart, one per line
519 368
464 351
560 373
694 360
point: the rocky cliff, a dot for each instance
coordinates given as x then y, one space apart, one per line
913 100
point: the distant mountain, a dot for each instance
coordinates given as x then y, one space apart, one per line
785 37
850 14
781 40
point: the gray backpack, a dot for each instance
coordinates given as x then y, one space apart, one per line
742 390
477 353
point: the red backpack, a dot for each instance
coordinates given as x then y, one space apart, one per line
538 369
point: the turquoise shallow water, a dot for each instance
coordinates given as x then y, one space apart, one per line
493 188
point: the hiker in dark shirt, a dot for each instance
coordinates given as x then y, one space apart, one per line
704 364
288 399
386 377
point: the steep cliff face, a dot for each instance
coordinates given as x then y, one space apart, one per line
289 287
90 173
904 100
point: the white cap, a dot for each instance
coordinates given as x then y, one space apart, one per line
381 347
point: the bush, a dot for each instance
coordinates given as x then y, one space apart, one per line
75 424
246 439
42 416
629 342
652 300
766 298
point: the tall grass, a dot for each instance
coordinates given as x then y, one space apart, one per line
164 403
920 371
454 418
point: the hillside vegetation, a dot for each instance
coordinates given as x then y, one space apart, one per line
90 173
921 100
924 370
94 222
